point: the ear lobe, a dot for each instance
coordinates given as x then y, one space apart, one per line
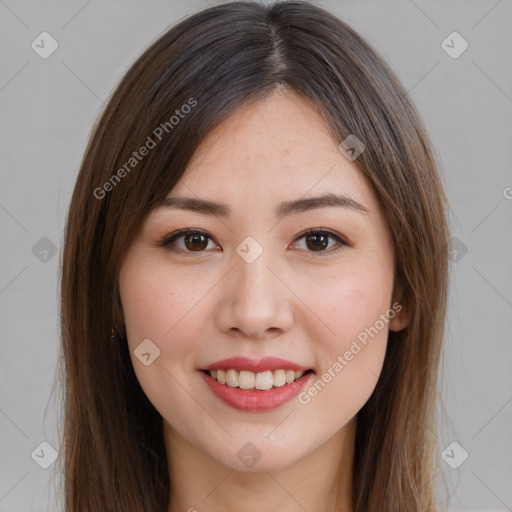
399 321
402 311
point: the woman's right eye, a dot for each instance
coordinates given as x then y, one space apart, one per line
193 240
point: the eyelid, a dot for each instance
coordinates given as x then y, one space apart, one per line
167 240
324 231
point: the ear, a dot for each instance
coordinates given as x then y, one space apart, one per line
401 308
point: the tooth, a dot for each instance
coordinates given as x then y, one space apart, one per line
246 380
279 378
232 378
264 380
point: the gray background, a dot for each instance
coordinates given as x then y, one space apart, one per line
48 108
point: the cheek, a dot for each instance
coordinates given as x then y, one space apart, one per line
351 358
351 352
147 305
165 309
351 305
161 307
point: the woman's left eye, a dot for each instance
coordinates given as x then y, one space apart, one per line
319 238
316 240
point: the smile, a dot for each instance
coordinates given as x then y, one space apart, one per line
262 381
253 386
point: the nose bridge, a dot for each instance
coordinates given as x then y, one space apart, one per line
255 286
252 262
255 299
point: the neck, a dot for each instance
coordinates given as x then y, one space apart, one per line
319 482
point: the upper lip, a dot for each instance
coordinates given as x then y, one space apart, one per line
252 365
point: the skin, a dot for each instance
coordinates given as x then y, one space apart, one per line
295 301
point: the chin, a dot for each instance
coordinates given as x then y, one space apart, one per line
253 460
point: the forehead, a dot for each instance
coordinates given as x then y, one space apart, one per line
274 149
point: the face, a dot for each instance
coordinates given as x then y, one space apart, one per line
236 301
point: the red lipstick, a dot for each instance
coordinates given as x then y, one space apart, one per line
256 400
250 365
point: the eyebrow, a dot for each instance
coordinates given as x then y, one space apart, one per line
284 209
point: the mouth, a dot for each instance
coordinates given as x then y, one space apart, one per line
251 381
254 386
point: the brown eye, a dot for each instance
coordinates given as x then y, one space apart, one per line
193 241
318 241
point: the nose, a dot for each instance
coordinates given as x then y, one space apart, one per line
255 302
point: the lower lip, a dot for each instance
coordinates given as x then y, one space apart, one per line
256 400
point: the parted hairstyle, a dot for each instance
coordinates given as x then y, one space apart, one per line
217 61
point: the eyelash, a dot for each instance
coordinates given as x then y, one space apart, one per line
169 240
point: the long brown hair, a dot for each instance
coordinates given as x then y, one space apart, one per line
222 58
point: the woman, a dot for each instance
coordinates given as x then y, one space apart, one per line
254 277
